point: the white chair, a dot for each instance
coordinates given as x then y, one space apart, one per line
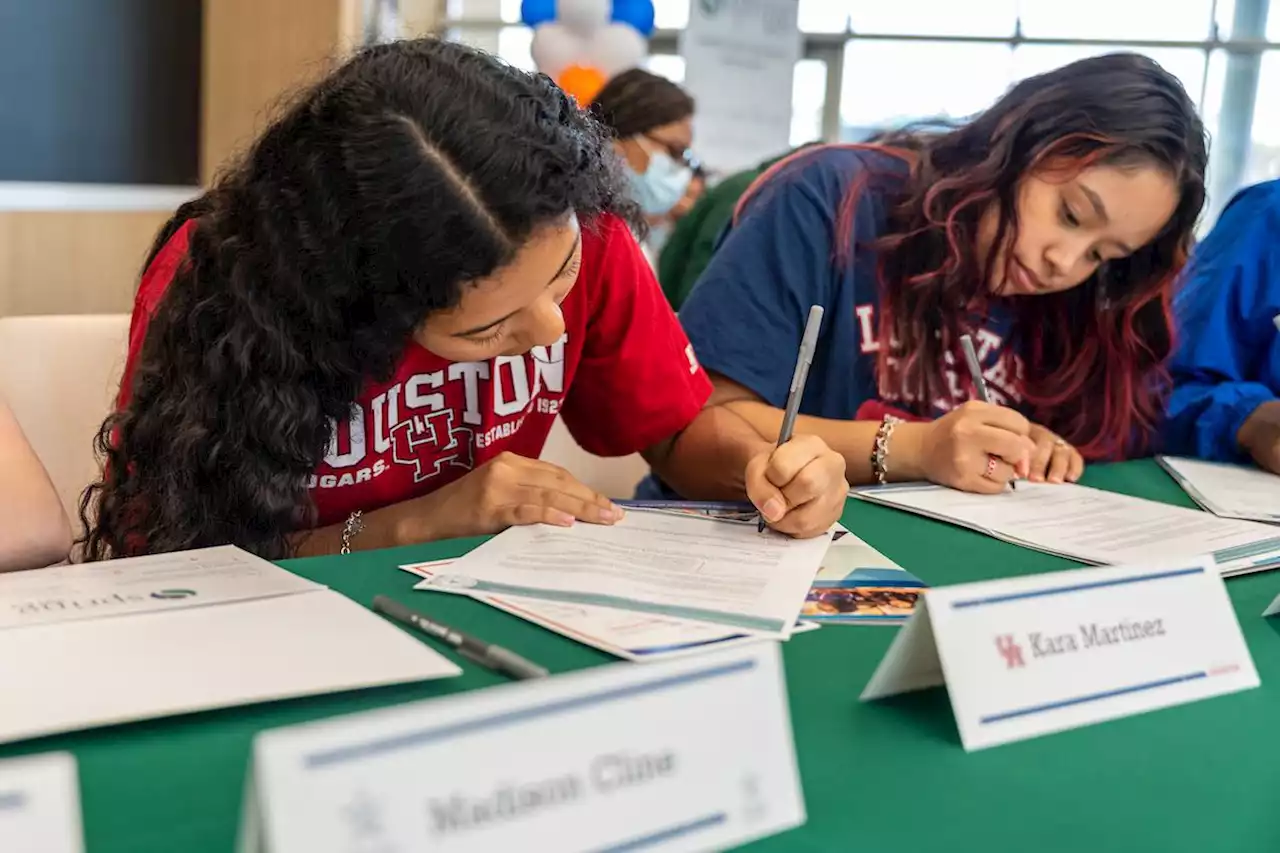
614 478
60 375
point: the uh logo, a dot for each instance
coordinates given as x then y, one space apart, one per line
1010 651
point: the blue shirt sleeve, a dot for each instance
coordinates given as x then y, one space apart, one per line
746 315
1228 342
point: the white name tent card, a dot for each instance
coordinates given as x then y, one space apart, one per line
105 643
686 754
40 805
1024 657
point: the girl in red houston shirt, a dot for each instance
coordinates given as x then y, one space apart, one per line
361 335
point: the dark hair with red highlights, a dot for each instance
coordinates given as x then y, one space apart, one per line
1094 356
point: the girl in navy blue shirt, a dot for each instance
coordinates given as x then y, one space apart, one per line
1050 228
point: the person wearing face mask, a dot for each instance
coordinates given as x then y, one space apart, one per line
652 123
362 334
1051 228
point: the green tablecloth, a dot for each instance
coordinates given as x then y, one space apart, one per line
883 776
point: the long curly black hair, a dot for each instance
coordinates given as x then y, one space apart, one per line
371 201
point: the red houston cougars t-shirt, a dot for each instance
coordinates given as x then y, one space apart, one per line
623 376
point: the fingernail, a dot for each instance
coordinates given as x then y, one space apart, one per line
1038 478
773 509
618 512
562 519
607 514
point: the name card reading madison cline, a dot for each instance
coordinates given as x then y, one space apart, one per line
689 754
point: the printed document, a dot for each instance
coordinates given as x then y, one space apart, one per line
94 645
1091 525
1231 491
671 565
628 634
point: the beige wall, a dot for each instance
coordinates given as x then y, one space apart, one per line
258 51
73 262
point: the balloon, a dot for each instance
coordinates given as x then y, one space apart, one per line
637 13
534 12
581 82
584 17
616 48
555 48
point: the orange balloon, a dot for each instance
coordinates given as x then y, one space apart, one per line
581 82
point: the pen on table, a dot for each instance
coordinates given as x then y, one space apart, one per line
979 381
473 648
808 344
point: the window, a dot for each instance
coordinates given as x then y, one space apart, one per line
1264 157
671 14
669 65
936 68
823 16
808 98
937 17
515 46
1150 20
892 83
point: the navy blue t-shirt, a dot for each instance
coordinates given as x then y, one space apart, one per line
746 315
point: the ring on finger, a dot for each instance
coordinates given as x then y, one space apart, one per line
991 467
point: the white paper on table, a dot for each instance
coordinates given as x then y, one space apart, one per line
628 634
1231 491
690 568
88 672
1091 525
40 805
162 582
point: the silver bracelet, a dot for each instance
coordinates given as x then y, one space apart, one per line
353 527
880 450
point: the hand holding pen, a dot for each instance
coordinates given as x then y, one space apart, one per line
799 486
979 446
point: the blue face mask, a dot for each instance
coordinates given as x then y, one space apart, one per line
661 185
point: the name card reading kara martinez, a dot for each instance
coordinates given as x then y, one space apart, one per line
687 754
1024 657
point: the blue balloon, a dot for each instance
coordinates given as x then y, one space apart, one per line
534 12
637 13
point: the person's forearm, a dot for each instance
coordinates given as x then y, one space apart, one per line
851 439
708 461
35 533
383 528
34 530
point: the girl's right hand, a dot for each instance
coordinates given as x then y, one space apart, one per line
977 447
507 490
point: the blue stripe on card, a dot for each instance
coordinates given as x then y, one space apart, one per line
667 834
355 752
1093 697
12 800
1079 587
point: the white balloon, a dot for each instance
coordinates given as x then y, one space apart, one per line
555 48
616 48
584 17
